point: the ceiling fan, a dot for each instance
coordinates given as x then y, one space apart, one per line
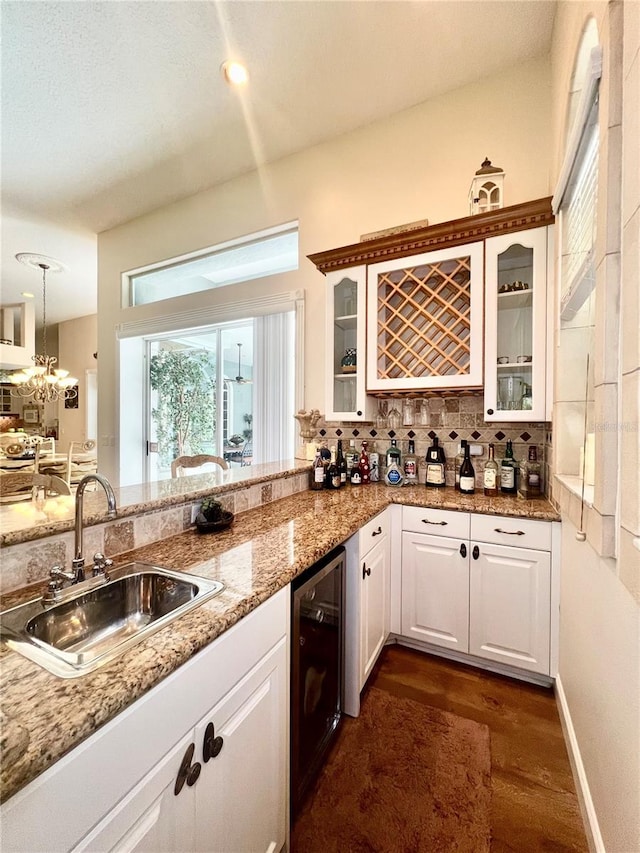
240 378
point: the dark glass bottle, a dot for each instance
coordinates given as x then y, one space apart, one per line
508 472
458 462
490 475
436 463
341 462
467 474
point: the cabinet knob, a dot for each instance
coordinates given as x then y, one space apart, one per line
489 411
365 571
463 550
377 532
212 745
476 552
359 413
188 772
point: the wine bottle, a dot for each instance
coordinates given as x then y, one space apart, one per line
458 462
316 480
436 464
341 462
508 472
467 474
491 474
365 468
410 465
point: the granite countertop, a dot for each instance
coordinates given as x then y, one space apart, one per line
42 717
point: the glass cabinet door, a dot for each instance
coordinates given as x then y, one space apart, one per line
345 391
515 339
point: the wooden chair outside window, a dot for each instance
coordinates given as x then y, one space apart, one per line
187 465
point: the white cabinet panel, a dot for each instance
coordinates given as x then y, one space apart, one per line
437 522
374 607
519 532
239 799
510 609
435 590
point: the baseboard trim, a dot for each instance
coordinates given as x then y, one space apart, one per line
589 816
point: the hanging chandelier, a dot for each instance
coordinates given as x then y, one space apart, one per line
43 382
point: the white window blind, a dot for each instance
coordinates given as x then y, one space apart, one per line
578 218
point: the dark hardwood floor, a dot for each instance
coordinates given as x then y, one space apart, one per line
534 803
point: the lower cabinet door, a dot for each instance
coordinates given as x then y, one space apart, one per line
241 795
151 818
374 601
435 590
510 606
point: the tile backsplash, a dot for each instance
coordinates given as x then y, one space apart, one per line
451 419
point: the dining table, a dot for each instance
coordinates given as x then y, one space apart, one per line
47 460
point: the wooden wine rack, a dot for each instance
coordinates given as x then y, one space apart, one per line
424 320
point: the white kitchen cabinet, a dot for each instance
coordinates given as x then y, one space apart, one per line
116 791
367 605
435 590
516 347
345 395
425 327
475 595
509 617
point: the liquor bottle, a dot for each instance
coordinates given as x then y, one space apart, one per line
530 480
353 456
393 454
365 468
316 480
458 462
490 474
467 474
332 475
435 465
374 465
508 472
354 473
410 465
393 472
341 462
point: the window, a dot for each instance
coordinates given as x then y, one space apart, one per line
247 258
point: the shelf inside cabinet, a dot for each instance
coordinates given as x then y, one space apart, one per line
516 299
514 365
343 376
347 321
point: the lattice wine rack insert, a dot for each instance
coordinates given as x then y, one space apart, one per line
424 320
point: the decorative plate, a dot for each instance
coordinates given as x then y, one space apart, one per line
205 526
14 450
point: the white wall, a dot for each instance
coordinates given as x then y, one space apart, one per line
600 604
416 164
77 342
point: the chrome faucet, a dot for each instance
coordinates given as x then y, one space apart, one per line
78 559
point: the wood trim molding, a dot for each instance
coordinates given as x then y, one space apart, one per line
518 217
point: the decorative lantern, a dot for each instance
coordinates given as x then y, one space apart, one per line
486 190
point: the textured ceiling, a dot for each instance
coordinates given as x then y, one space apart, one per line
112 109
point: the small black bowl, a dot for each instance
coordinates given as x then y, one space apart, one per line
205 526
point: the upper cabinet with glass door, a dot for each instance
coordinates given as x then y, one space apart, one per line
346 399
516 334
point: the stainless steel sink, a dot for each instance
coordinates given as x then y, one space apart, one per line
97 621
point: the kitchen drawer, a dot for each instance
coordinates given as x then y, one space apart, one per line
373 532
504 530
438 522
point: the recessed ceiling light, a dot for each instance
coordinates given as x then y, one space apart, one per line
28 295
234 72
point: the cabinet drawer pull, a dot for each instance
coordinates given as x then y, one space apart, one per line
365 571
212 745
463 550
509 532
188 772
377 532
437 523
476 552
